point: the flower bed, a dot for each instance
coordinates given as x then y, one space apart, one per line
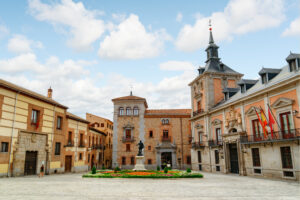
143 174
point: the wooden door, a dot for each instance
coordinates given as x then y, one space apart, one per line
234 161
68 164
30 163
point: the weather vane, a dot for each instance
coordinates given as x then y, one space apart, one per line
209 24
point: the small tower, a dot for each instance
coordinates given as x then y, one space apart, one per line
50 93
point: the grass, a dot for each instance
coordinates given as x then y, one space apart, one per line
142 174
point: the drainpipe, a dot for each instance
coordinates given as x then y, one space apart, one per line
9 170
52 138
182 159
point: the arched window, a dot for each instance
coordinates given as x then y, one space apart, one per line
163 121
121 111
128 111
167 121
135 111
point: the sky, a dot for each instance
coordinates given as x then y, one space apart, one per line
92 51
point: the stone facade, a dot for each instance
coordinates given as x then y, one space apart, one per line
36 130
165 133
227 134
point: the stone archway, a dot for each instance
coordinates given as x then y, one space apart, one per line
29 142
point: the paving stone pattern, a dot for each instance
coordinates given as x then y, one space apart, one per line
213 186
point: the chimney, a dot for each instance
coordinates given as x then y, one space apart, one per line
49 93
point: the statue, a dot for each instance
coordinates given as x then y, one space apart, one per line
141 146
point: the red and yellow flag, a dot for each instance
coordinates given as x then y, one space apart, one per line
264 122
271 122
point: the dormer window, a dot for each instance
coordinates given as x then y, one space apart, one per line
264 78
294 61
243 88
221 67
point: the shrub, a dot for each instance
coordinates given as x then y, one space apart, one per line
158 168
94 170
166 170
117 169
188 170
103 167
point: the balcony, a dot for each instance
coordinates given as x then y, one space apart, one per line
198 145
214 143
128 139
293 134
166 139
69 144
81 145
99 146
198 112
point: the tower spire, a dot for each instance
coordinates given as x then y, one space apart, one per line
211 39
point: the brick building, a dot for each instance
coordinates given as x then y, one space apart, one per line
165 133
227 134
36 130
106 126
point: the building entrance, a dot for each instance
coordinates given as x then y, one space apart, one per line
234 162
30 163
68 163
166 158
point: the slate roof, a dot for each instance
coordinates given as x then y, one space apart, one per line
293 56
231 90
247 81
214 66
283 75
269 70
24 91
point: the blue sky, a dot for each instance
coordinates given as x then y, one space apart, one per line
92 51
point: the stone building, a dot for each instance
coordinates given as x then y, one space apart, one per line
166 134
106 126
226 112
32 130
36 130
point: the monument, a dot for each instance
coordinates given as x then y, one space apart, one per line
139 165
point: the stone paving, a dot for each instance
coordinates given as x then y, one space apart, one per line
212 186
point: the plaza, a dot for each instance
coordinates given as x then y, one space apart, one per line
212 186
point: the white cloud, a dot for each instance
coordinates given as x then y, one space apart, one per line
20 44
82 24
179 17
238 17
3 31
74 86
130 40
176 66
293 29
21 64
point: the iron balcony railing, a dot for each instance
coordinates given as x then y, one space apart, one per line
81 145
198 112
128 139
198 145
277 136
215 143
166 139
69 144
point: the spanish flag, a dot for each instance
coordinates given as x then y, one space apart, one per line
263 121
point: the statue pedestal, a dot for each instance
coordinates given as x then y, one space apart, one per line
139 165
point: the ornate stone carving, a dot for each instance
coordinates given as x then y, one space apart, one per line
216 122
233 120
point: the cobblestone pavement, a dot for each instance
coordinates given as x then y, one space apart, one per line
212 186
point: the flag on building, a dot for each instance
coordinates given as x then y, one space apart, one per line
271 121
